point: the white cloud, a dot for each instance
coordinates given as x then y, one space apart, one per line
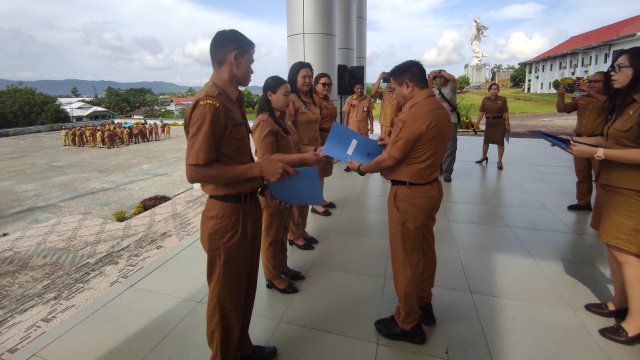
448 50
521 47
528 10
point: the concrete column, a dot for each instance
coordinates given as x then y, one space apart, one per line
347 32
361 34
312 35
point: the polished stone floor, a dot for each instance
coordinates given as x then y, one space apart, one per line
514 270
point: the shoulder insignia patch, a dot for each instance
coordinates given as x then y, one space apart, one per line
209 102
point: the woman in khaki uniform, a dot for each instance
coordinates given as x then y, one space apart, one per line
616 213
304 114
276 138
328 112
495 109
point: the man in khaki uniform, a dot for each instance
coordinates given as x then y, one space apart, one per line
219 157
591 116
65 136
358 111
388 107
411 162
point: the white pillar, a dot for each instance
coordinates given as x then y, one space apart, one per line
527 68
347 32
361 34
312 35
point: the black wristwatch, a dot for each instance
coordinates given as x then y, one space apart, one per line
359 171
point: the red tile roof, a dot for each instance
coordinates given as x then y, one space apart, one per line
184 100
610 32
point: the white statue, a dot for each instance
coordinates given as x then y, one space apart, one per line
477 33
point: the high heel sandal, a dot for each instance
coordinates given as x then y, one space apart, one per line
290 289
305 246
484 159
500 167
294 275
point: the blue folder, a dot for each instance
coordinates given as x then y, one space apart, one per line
300 189
345 144
557 141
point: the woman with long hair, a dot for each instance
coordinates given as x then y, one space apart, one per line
494 108
616 213
276 138
322 85
304 114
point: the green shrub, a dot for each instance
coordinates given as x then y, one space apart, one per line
119 215
137 210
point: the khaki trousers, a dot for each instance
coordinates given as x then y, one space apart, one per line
230 235
298 221
273 246
584 172
412 215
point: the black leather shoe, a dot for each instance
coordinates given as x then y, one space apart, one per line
428 317
305 246
388 328
262 353
294 275
447 178
324 212
347 169
619 334
329 205
602 309
290 289
578 207
311 240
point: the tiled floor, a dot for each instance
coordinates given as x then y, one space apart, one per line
514 270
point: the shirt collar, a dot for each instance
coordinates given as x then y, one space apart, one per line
421 95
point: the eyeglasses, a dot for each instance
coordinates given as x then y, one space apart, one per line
617 68
594 81
325 85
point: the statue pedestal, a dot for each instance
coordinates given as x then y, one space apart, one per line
477 73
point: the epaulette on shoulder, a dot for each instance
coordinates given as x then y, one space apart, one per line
208 101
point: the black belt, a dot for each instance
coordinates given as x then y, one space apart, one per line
495 117
406 183
325 130
237 198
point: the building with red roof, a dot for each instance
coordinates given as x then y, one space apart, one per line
581 55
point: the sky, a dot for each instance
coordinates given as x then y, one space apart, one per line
168 40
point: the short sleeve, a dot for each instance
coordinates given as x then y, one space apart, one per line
347 105
264 137
206 130
482 106
402 141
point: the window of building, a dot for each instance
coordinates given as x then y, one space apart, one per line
541 86
590 60
550 67
549 85
606 57
560 65
596 59
542 68
571 63
582 63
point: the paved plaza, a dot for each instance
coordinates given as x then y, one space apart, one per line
514 270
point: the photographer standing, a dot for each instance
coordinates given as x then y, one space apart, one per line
591 116
388 107
446 91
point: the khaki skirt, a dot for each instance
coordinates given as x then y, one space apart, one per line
494 131
616 217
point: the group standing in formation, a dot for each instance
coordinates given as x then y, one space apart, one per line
241 220
113 135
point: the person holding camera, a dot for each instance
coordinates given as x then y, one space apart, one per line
591 115
388 107
446 91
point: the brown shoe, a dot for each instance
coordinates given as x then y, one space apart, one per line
618 334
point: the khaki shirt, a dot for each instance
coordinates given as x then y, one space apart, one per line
592 116
492 108
270 138
420 139
217 132
388 108
359 112
328 111
622 132
305 117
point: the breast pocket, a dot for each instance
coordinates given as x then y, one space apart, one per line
239 130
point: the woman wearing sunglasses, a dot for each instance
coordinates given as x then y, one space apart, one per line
322 86
616 212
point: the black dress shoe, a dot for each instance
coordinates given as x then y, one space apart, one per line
602 309
310 240
619 334
578 207
428 317
305 246
262 353
294 275
347 169
329 205
324 212
388 328
290 289
447 178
